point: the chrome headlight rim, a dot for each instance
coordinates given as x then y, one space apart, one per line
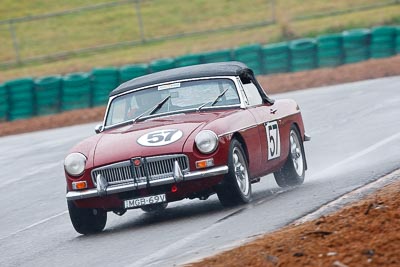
200 140
74 164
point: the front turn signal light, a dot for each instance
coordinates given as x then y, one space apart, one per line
201 164
79 185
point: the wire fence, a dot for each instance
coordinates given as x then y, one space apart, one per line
134 22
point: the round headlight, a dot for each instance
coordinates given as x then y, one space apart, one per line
206 141
74 164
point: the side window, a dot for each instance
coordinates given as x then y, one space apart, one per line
252 94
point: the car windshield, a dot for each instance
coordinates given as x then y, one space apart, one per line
181 96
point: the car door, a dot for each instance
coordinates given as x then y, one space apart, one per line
269 123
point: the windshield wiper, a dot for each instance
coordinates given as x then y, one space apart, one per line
152 110
214 101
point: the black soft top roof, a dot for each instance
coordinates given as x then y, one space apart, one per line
232 68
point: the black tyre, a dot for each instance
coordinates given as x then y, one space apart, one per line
87 221
155 207
236 187
292 173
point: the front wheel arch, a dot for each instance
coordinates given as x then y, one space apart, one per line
87 220
235 189
240 138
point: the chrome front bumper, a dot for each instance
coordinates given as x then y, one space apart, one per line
102 189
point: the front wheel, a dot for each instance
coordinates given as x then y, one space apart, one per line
292 173
236 187
86 220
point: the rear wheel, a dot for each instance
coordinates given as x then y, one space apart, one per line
155 207
292 173
85 220
236 187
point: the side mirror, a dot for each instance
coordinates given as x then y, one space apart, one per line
98 128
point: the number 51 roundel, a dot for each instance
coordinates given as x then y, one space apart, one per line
273 140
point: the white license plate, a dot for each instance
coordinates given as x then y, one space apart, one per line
143 201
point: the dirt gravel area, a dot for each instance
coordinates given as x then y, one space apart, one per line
366 233
272 83
67 118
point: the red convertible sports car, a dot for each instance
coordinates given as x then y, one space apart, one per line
183 133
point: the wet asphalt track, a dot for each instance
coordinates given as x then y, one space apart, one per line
355 133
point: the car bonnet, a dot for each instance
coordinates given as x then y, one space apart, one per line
159 136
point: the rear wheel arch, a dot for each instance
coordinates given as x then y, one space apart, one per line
302 140
297 128
293 171
295 124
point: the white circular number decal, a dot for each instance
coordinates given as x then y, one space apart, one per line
160 138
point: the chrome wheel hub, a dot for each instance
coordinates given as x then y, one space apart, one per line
240 169
296 154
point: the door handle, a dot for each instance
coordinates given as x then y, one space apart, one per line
273 110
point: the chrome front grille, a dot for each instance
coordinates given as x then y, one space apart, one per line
150 168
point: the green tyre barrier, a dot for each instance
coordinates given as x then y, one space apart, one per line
329 53
356 45
129 72
188 60
76 91
386 32
398 44
330 40
383 42
21 98
275 58
329 62
356 55
104 80
162 64
217 56
355 36
48 94
329 50
20 89
303 54
397 41
251 56
329 58
276 49
3 103
382 50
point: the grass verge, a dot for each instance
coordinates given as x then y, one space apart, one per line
285 28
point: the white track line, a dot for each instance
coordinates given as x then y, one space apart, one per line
35 224
32 173
358 155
